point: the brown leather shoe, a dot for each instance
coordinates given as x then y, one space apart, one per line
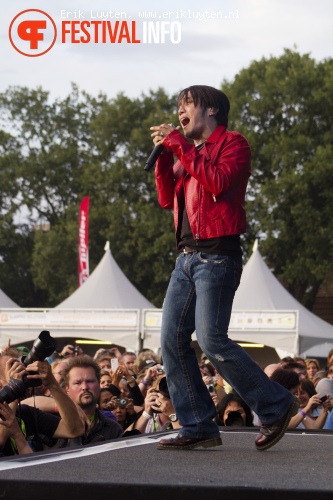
184 443
269 435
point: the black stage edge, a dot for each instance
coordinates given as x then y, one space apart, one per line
298 467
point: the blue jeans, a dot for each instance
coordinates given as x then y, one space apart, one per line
199 298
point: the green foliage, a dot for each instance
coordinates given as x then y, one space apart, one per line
283 106
53 154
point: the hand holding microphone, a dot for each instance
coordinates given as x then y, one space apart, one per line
159 134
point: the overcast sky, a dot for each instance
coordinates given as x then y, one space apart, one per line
208 49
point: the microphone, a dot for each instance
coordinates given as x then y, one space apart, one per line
157 151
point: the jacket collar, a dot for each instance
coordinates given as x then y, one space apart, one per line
214 136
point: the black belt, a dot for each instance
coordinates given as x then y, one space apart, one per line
186 250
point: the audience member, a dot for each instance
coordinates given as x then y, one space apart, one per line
232 411
286 360
101 352
104 361
318 376
296 367
210 377
312 367
329 359
149 373
300 361
105 399
123 410
144 356
317 413
127 383
105 404
82 384
128 359
269 369
325 387
57 368
69 351
159 413
87 404
330 371
290 380
105 379
38 428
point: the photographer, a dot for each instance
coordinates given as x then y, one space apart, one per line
82 384
127 384
39 428
10 423
232 411
123 410
159 413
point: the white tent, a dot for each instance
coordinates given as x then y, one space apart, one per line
106 307
261 291
5 301
106 287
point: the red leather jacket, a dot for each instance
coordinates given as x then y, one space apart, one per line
214 182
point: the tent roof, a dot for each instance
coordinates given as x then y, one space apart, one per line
5 301
260 290
107 287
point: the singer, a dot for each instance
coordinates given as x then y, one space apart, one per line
206 190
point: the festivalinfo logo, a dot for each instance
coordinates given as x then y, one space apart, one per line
33 32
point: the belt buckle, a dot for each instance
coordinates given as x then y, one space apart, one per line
189 250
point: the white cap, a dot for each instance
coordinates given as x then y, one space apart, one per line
325 386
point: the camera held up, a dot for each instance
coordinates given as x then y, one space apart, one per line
43 347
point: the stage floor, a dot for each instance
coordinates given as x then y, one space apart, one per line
298 467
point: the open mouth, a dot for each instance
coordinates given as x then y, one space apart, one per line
184 121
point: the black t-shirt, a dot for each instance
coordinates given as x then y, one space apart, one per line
225 245
37 426
103 429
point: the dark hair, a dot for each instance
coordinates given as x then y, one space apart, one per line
300 361
208 97
163 387
82 361
209 366
115 391
287 359
105 389
228 398
308 387
288 378
292 365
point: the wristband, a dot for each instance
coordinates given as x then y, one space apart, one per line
302 413
146 415
144 382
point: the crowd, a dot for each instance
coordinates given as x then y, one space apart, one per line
73 399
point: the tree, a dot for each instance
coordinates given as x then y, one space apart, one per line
76 147
52 154
283 106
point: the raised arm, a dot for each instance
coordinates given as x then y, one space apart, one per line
73 421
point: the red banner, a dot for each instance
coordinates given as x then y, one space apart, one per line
83 259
